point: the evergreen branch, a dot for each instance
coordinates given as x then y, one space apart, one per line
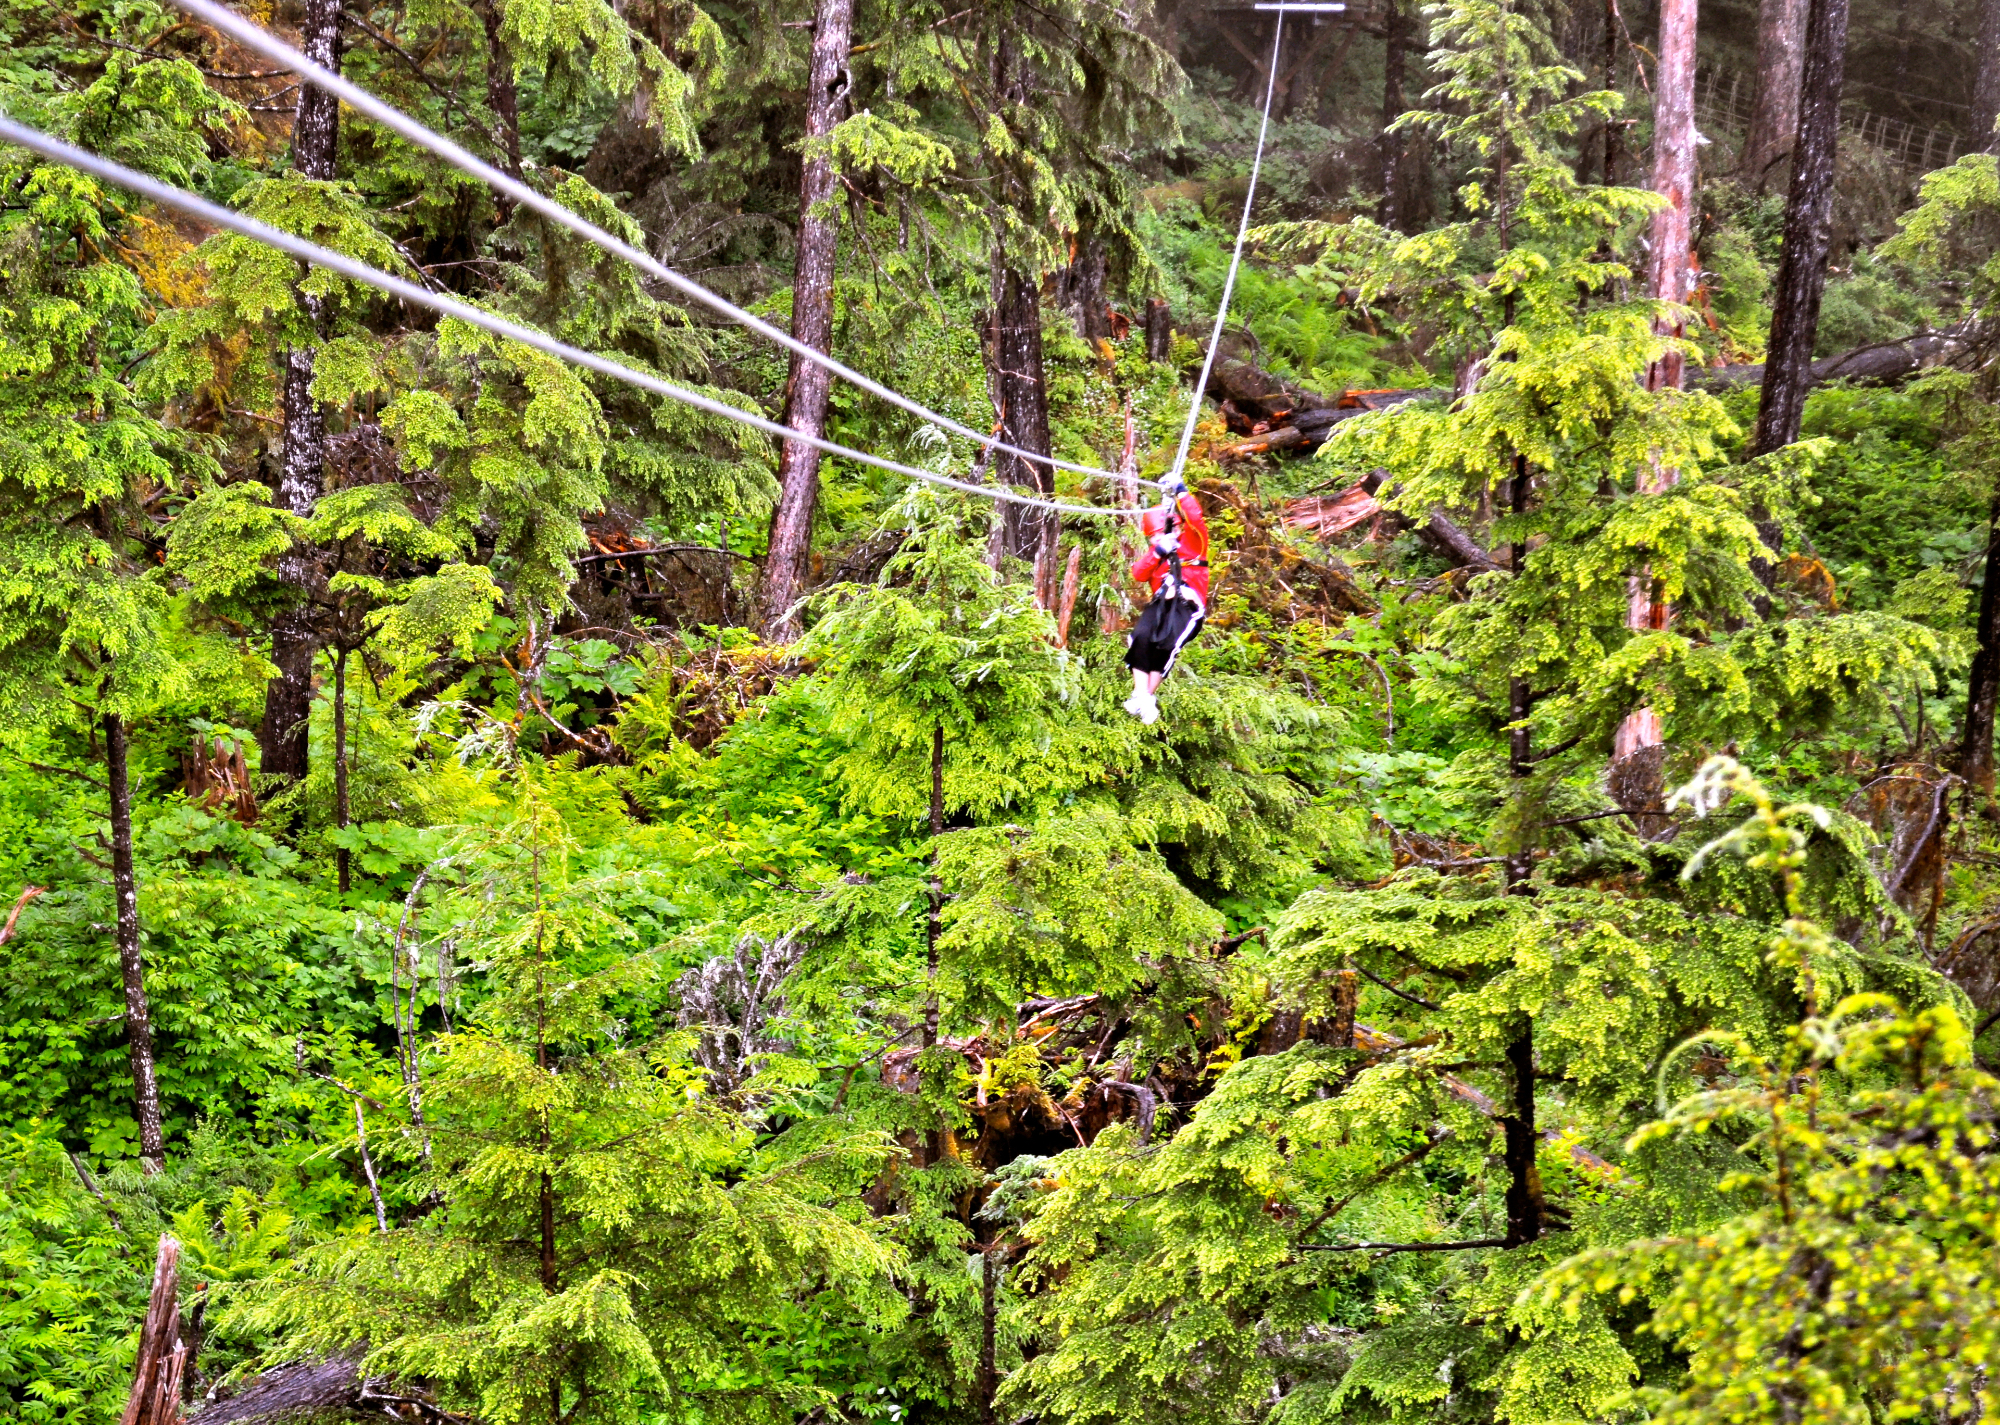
1591 816
83 777
1374 1180
1457 976
1556 751
90 1186
661 549
1387 1247
1376 979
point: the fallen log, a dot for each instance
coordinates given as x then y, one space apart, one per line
1279 415
328 1389
1880 363
1361 501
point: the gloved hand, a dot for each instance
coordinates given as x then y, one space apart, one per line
1165 543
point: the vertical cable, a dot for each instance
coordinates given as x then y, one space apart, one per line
1235 258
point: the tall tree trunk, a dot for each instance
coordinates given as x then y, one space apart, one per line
1672 263
501 96
1808 231
131 966
1525 1198
1520 696
807 385
1986 87
1395 32
989 1370
1613 145
340 804
1014 357
1159 330
545 1196
1638 754
1014 371
933 1140
302 471
1975 747
1082 288
1774 110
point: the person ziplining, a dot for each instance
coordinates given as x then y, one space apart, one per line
1175 560
1175 564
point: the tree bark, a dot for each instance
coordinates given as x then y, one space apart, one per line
1808 231
933 1139
1986 87
989 1371
1520 697
1395 32
808 384
1159 331
156 1375
302 470
1525 1199
340 804
1672 260
1014 357
501 97
1774 110
1975 746
1670 279
1082 289
1613 145
131 966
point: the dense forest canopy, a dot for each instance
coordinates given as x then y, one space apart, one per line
530 901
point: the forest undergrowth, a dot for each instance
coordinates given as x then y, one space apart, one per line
536 974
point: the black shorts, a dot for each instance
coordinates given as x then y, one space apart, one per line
1164 628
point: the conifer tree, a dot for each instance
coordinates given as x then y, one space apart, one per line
807 386
87 637
302 455
593 1232
1840 1268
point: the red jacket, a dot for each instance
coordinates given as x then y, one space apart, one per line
1152 569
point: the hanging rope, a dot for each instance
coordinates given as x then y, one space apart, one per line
260 41
1235 257
199 208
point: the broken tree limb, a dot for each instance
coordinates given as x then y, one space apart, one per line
155 1396
1361 501
1442 533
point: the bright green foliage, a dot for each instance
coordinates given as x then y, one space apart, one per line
602 1232
1599 477
1855 1283
940 644
80 455
1071 907
65 1295
1005 113
1859 1285
650 957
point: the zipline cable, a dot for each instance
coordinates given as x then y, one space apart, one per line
199 208
261 41
1235 258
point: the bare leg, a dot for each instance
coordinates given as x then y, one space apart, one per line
1153 681
1141 682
